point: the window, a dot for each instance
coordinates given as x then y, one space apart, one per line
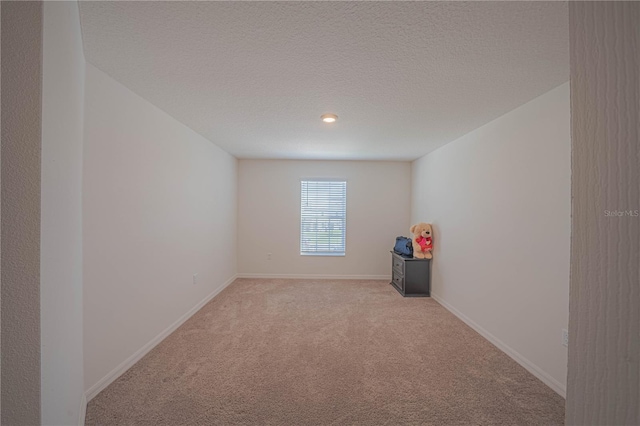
323 217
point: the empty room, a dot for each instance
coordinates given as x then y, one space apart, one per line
320 213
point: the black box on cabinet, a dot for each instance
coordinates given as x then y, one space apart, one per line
410 276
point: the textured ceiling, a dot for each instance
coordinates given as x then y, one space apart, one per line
403 77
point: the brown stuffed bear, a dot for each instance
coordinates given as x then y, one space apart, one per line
422 241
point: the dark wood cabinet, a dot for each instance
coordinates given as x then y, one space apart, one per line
411 277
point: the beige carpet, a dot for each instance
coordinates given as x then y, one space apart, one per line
307 352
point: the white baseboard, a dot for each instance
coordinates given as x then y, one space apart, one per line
558 387
83 410
128 363
318 276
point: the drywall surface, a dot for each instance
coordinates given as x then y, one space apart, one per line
604 343
21 140
499 201
61 215
405 77
269 217
159 205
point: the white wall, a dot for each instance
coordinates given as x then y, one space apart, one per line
21 149
62 387
499 199
159 205
604 345
378 196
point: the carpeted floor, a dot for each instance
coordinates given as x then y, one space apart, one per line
316 352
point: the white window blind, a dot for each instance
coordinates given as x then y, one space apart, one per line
323 217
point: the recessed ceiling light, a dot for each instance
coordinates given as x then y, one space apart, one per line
329 118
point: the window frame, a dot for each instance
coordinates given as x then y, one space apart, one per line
342 253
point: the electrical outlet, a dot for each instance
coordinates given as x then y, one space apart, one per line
195 278
268 256
565 337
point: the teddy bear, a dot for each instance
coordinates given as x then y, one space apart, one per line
422 241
